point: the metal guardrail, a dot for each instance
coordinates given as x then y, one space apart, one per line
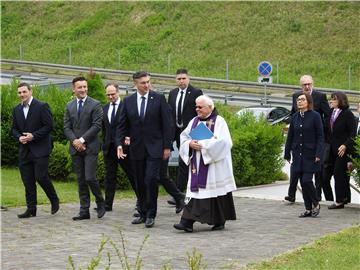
166 76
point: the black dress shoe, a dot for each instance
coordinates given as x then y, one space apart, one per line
149 222
336 206
218 227
182 227
28 213
179 206
307 213
81 217
171 201
315 211
108 208
289 199
136 214
138 220
100 212
55 207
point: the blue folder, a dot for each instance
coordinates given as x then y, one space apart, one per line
201 132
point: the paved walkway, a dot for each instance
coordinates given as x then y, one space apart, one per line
264 228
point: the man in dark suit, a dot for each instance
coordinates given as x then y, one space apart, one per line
110 121
145 118
321 106
31 127
82 123
182 103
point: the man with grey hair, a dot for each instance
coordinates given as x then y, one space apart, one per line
211 180
322 107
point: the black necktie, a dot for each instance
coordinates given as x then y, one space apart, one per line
142 108
25 106
112 113
179 110
80 107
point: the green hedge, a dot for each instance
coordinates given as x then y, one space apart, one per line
122 180
257 148
256 153
356 162
60 164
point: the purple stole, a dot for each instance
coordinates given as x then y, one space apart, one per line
199 177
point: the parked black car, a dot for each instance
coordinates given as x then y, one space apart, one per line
274 115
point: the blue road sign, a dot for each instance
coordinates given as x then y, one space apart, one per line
265 69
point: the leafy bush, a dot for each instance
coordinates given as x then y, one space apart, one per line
57 100
122 180
356 162
96 86
256 153
60 164
9 146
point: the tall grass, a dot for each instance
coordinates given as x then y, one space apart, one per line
320 38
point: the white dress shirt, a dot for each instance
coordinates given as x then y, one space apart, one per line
27 107
111 108
182 104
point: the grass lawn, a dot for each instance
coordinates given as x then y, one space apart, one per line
13 192
335 251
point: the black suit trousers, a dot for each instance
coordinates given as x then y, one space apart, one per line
327 171
36 169
294 178
308 189
183 169
167 183
111 165
147 175
85 169
341 177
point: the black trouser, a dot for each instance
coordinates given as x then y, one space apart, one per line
308 189
294 178
169 185
85 169
183 169
326 178
111 165
36 169
342 178
147 173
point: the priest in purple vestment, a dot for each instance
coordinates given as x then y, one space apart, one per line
210 180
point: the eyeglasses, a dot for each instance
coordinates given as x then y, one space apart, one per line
301 99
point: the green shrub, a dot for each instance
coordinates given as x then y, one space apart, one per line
122 180
356 162
60 163
9 146
57 100
96 87
256 153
